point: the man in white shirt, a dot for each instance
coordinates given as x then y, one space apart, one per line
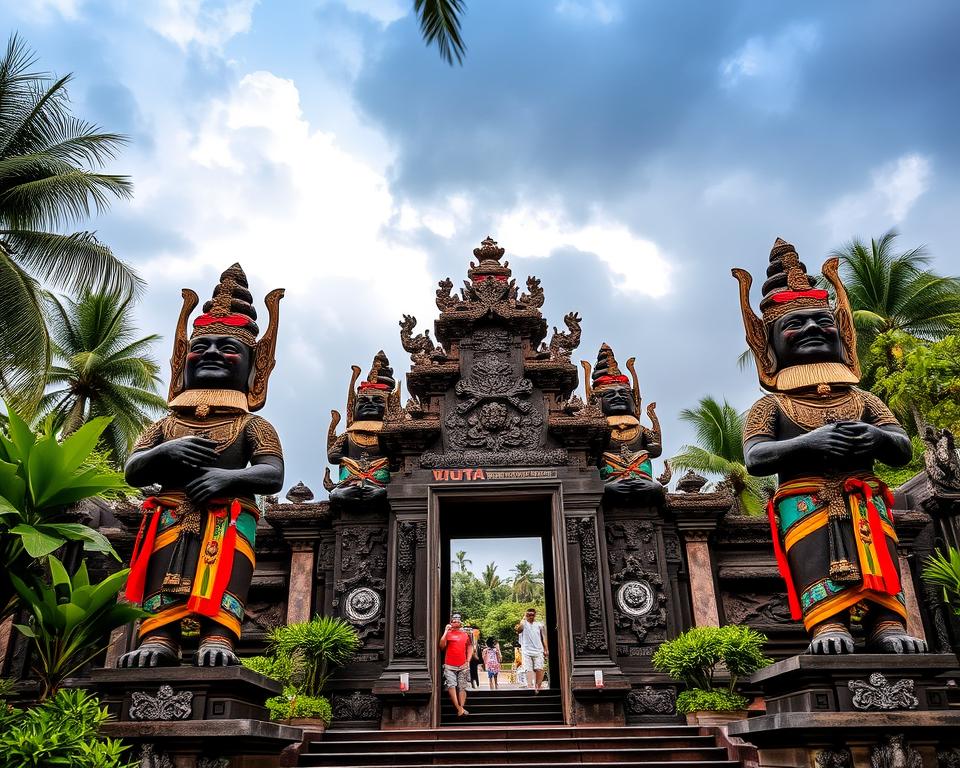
533 641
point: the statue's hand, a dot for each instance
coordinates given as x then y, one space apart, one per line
213 482
189 452
865 438
831 441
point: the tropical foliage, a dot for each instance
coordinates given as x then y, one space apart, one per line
697 656
942 570
63 730
50 179
101 370
302 657
719 452
526 585
895 291
39 478
70 619
461 560
440 24
500 623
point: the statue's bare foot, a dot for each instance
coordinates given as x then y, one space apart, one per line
832 640
150 654
216 651
894 639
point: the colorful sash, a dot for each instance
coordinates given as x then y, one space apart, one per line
831 540
617 466
205 578
353 472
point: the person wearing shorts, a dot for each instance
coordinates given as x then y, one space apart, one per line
457 646
533 641
491 661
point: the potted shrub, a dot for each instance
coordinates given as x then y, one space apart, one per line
302 657
698 657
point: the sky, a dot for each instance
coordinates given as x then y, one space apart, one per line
504 553
627 153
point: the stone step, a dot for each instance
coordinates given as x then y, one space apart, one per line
538 761
477 741
567 754
511 732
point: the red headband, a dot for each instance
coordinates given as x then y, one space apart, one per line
372 385
601 380
233 320
784 296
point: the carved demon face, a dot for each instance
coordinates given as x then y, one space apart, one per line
616 401
218 362
369 407
806 336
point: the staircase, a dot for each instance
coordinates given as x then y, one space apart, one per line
654 746
507 707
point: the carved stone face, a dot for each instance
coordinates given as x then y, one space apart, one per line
218 362
617 401
806 336
369 407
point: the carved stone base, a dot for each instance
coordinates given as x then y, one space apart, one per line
194 718
600 706
856 711
408 709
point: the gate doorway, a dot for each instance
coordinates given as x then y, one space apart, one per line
502 532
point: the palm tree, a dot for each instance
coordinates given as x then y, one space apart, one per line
891 291
101 370
719 430
526 582
48 180
489 578
460 559
440 24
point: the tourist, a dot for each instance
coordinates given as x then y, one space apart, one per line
519 677
474 659
533 642
491 661
457 646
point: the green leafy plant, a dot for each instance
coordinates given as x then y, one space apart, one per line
275 667
291 703
697 656
317 647
942 569
39 479
70 619
697 700
60 731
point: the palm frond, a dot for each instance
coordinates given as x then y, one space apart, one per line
25 349
440 24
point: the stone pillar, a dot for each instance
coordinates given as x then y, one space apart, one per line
703 595
300 586
914 622
698 515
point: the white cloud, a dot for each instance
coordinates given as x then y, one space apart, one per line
895 188
603 11
766 70
383 11
206 23
537 232
46 11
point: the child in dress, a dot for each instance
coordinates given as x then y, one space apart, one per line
491 661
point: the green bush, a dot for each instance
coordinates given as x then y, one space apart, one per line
291 703
60 731
275 667
315 648
699 654
696 700
942 570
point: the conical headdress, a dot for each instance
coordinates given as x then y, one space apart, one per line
229 312
789 288
380 376
606 373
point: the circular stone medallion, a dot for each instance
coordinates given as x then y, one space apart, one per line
362 604
635 598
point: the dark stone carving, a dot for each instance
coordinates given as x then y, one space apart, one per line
691 482
550 457
880 694
635 579
263 616
166 705
834 758
562 344
948 758
363 564
356 706
299 494
406 644
895 753
756 609
213 762
941 461
652 701
594 640
151 757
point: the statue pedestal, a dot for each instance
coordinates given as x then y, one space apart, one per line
193 718
855 711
